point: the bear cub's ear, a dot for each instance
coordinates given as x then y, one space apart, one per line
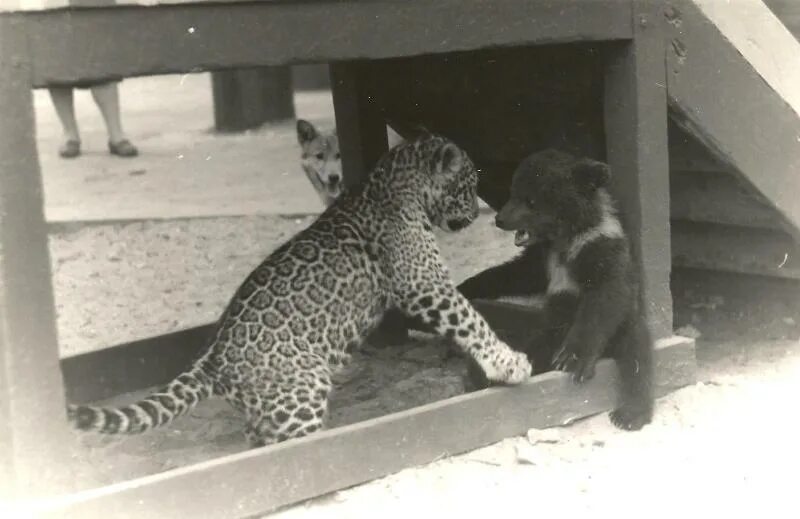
591 174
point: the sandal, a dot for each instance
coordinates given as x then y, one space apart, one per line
70 149
123 148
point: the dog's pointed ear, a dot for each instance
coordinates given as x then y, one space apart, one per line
450 159
591 174
305 131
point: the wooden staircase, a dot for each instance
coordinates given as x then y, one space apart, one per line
734 148
734 139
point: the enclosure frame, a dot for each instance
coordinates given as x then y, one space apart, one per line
35 48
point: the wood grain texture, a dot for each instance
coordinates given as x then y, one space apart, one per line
245 99
262 480
735 249
762 40
34 441
687 154
149 362
359 125
636 142
77 44
720 198
720 99
132 366
788 12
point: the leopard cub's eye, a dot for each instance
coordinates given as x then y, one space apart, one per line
320 156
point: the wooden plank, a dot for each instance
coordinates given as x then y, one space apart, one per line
686 154
636 142
34 441
746 124
359 124
149 362
310 77
247 98
762 40
735 249
132 366
788 12
261 480
714 197
76 44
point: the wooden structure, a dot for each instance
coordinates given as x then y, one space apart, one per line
627 64
245 99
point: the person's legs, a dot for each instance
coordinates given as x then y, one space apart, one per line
65 109
107 98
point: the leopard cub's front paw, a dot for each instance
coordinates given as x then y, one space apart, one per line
510 367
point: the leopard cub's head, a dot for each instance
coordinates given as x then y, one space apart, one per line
321 160
452 197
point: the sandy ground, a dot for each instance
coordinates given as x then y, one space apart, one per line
213 207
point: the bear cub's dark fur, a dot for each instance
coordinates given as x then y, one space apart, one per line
577 257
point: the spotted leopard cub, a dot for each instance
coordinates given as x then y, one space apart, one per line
296 318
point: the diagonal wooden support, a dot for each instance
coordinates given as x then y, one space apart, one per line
731 105
34 440
636 144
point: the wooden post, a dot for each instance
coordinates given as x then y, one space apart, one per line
362 141
34 440
361 129
311 77
247 98
636 144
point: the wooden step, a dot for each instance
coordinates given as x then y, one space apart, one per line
735 249
717 197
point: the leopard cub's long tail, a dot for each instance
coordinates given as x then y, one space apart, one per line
160 408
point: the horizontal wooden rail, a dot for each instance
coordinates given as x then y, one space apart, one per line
151 361
261 480
123 41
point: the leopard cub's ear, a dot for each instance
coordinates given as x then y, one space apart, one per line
450 159
305 131
591 174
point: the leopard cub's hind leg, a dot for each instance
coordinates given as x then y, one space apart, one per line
286 405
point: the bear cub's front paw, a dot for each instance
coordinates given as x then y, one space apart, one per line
572 359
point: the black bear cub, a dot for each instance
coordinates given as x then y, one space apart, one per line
576 255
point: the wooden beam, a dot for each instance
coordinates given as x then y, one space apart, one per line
101 374
735 249
719 98
788 12
715 197
152 361
636 142
261 480
187 38
34 440
359 124
686 154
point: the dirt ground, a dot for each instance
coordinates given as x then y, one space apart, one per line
208 208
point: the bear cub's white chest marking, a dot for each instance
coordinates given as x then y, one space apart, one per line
559 278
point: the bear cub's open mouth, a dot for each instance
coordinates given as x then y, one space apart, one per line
522 238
